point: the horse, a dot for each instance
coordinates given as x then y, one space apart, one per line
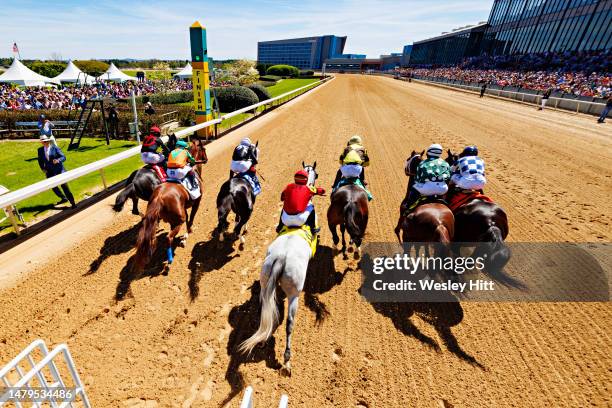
236 195
349 209
169 202
428 222
140 184
479 220
286 262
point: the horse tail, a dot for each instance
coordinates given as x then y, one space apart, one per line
269 311
352 217
125 194
225 202
442 234
145 244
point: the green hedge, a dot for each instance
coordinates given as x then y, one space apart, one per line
167 98
308 73
261 92
232 98
283 71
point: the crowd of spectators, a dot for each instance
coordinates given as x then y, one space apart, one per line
73 97
576 73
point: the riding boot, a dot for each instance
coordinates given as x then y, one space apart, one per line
362 177
280 225
312 223
337 180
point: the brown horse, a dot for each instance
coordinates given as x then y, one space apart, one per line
169 202
429 222
349 209
482 221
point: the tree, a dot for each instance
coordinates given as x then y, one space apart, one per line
48 69
240 72
92 67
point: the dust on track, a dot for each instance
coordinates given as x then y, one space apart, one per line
171 340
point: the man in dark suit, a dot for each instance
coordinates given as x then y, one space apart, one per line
50 160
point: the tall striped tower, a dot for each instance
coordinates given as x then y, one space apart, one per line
200 77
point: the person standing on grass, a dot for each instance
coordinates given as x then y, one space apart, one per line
51 161
545 97
606 110
45 128
113 118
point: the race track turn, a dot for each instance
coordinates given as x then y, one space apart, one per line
171 340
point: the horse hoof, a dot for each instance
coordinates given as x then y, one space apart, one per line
166 270
286 370
350 249
136 212
241 246
357 255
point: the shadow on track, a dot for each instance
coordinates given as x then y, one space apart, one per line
207 257
117 244
244 320
155 268
442 316
320 278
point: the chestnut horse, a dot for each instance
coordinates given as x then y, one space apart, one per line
349 209
429 222
169 202
482 221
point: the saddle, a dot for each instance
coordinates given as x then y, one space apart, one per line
305 233
425 200
254 186
355 181
158 170
461 198
193 190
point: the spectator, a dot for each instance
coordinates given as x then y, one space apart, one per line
113 119
606 110
45 127
149 109
51 161
483 89
545 97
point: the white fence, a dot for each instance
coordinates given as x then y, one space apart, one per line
566 104
10 199
42 382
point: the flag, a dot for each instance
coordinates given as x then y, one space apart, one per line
15 49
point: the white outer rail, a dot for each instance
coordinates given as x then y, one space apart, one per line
13 197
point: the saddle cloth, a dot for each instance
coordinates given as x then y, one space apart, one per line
305 233
463 197
255 186
194 191
353 181
425 200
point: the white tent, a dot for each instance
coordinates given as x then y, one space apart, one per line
21 75
72 73
185 72
114 74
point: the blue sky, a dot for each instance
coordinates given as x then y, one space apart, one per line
159 29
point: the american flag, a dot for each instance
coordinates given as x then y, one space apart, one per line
15 49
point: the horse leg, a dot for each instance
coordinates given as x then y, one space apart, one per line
173 233
334 232
293 306
244 218
194 210
342 231
134 198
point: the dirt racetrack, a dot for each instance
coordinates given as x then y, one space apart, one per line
171 340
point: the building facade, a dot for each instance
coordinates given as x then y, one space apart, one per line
406 55
532 26
449 48
303 53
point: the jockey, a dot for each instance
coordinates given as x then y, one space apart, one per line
468 171
298 208
432 176
352 161
244 160
149 155
180 163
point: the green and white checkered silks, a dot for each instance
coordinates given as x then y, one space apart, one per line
433 170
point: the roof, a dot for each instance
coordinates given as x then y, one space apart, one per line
21 75
186 72
72 73
114 74
302 39
453 33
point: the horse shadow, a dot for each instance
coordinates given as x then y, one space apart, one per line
155 268
206 257
244 320
117 244
321 277
442 316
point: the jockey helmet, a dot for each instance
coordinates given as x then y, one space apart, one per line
435 150
301 177
354 140
155 130
182 143
469 151
246 142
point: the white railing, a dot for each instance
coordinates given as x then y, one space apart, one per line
247 399
566 104
9 199
36 383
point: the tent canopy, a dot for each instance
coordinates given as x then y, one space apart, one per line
72 73
114 74
21 75
185 72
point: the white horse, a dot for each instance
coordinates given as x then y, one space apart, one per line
286 263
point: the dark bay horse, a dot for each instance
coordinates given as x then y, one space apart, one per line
169 202
482 221
429 222
349 209
236 195
140 184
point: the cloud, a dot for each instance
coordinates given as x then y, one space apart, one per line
156 29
